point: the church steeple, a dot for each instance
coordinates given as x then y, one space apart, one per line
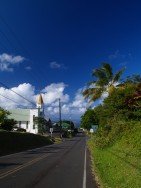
40 101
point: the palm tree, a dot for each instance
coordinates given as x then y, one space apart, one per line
105 82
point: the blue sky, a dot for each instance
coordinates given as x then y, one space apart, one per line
62 41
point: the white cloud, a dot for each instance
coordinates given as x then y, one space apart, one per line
51 93
25 89
79 100
55 91
55 65
28 68
7 61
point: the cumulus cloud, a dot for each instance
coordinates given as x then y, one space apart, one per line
51 93
79 104
55 91
7 61
25 89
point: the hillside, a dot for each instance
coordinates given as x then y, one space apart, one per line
11 142
119 165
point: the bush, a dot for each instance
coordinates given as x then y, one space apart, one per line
67 134
8 124
105 137
11 142
88 119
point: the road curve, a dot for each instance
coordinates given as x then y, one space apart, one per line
65 165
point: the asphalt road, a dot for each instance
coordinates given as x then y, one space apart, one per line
65 165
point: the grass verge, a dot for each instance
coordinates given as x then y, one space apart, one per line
11 142
119 165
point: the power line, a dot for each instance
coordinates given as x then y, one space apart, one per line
11 44
13 101
60 118
3 46
10 99
18 42
13 33
17 94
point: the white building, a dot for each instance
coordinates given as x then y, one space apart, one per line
25 117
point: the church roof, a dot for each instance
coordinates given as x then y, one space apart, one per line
40 99
19 114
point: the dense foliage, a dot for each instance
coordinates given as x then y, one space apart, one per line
116 144
117 111
115 114
88 119
3 114
5 123
8 124
41 123
70 124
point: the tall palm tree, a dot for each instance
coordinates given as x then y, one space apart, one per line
105 82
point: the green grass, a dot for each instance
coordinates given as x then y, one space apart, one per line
119 165
11 142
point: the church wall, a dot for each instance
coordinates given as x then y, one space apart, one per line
33 128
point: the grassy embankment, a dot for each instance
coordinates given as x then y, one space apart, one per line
11 142
119 165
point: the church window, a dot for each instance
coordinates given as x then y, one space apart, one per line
27 125
33 122
20 124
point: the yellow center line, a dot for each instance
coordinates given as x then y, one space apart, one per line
3 175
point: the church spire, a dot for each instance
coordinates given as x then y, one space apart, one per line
40 101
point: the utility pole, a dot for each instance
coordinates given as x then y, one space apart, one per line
60 120
70 121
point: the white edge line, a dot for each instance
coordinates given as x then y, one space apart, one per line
84 174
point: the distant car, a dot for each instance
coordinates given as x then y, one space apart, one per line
14 129
17 129
81 130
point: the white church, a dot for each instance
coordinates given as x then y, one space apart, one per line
25 117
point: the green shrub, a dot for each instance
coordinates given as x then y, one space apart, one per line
105 137
11 142
119 164
8 124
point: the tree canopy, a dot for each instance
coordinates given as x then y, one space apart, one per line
88 119
104 81
5 123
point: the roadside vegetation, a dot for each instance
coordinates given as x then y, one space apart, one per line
11 142
5 123
116 145
67 128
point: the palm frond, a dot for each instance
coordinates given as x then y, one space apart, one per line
88 92
118 75
101 82
96 95
99 74
91 83
108 70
